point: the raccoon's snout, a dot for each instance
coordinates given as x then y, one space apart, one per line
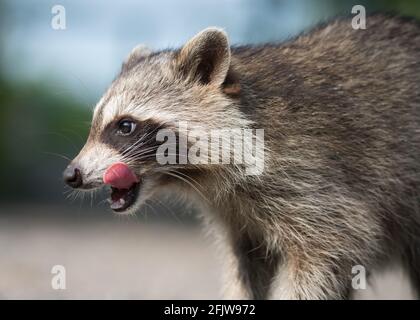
72 176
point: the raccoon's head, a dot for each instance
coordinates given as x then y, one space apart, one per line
155 91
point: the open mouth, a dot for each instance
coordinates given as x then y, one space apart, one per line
125 186
122 199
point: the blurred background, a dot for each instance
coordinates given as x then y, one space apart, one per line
49 83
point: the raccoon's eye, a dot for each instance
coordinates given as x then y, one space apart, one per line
126 127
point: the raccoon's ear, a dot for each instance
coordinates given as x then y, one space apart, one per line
139 52
206 57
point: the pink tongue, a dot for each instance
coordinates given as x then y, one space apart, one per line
119 176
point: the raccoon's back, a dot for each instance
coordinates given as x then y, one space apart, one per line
343 103
336 69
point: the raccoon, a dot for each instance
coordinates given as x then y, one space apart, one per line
340 109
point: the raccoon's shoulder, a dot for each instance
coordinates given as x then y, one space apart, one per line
387 37
333 63
380 27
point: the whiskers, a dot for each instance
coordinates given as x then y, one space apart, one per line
72 194
62 156
83 195
194 184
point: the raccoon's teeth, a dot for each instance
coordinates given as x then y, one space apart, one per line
117 204
121 199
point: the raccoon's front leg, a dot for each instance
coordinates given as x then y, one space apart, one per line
251 269
235 286
311 280
257 273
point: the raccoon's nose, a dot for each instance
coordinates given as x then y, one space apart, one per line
72 176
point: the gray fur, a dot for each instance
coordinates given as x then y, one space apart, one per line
341 113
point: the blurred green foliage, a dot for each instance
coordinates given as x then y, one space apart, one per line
38 129
404 7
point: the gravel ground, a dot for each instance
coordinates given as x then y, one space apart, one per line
117 258
114 258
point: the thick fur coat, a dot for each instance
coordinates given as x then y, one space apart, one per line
341 183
